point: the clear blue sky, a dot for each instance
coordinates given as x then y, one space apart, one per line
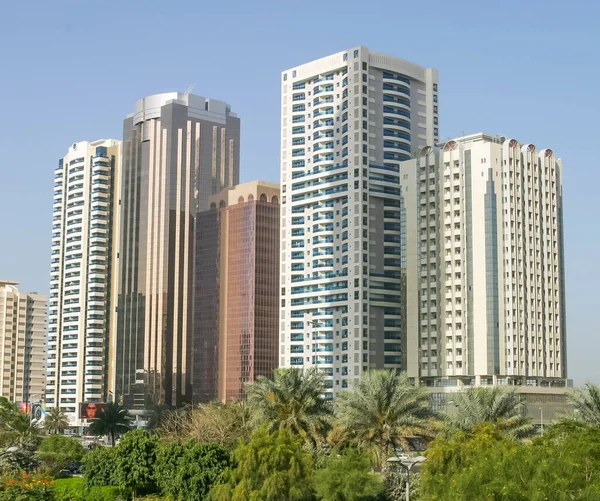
72 70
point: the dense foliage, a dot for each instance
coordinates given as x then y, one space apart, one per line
25 487
348 478
134 461
288 444
186 472
99 466
57 452
273 466
484 464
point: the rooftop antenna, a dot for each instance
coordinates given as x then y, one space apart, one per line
190 88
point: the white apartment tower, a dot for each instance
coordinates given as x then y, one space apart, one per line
22 343
348 121
485 272
80 289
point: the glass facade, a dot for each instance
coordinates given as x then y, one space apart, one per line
177 152
236 295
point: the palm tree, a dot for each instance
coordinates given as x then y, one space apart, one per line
112 421
496 405
383 411
158 413
586 404
56 421
16 429
292 401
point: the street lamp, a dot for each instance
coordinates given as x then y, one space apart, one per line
542 420
409 463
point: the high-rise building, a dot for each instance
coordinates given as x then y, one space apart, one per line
22 343
236 292
485 264
83 228
178 150
348 121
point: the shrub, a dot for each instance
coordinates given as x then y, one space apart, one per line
73 489
58 452
26 487
348 478
186 472
99 466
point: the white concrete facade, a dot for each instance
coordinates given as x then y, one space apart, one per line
80 289
348 121
486 241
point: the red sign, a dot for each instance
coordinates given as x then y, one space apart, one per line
90 410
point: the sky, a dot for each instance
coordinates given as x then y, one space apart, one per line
72 70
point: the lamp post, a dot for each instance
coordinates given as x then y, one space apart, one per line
409 463
542 420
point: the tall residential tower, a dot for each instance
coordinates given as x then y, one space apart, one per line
22 344
178 150
486 298
348 121
80 274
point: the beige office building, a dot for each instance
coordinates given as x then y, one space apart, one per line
178 151
485 301
22 343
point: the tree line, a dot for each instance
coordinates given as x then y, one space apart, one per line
286 443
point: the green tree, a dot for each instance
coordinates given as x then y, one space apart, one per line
586 404
271 466
112 421
99 466
56 421
348 478
186 472
486 465
383 411
134 463
495 405
292 401
57 452
16 429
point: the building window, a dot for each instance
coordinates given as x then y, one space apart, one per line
294 74
346 57
435 87
284 77
356 53
435 98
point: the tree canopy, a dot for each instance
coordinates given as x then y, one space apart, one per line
291 401
383 410
271 466
112 421
495 405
